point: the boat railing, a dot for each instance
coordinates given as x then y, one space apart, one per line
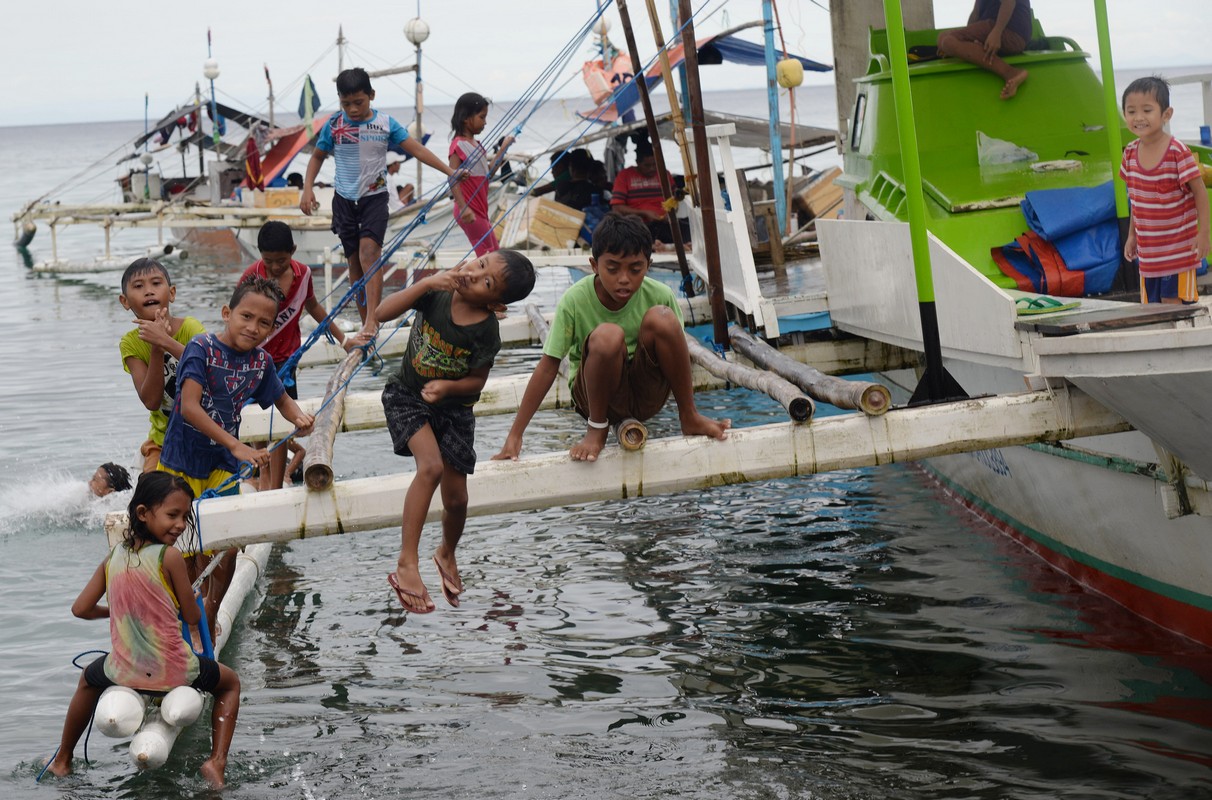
1205 82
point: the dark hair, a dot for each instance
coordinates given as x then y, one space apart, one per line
622 235
295 179
116 476
643 149
275 237
352 81
151 491
255 285
142 266
1154 86
519 276
466 107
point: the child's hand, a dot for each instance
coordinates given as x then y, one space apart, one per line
433 391
467 216
258 458
457 176
446 280
1130 248
509 450
158 331
304 422
307 203
362 339
1201 246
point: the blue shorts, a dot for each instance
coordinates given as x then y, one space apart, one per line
207 680
364 219
1169 287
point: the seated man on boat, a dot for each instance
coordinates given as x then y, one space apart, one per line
637 190
400 194
995 28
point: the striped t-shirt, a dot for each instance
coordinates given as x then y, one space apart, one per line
360 152
1163 209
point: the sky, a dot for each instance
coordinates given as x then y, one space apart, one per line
79 60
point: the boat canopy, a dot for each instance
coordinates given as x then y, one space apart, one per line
750 132
715 49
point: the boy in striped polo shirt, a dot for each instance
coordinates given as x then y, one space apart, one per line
359 138
1168 227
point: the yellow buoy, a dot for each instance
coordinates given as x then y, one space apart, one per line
790 73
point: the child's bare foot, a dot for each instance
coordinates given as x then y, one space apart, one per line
698 425
60 767
410 589
213 770
590 445
1016 80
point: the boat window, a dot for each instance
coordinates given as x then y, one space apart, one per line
856 122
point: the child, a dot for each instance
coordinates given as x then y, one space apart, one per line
109 478
359 138
145 580
622 332
218 374
995 28
277 264
455 338
1168 226
150 351
468 121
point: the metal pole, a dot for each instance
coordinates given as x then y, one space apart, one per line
420 127
776 133
935 384
715 283
641 83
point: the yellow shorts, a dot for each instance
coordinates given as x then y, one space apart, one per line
212 481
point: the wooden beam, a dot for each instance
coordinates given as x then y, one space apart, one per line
670 465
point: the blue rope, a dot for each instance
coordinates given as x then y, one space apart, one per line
87 733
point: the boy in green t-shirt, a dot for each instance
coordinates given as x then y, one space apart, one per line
150 351
622 333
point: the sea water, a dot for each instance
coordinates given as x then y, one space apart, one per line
848 635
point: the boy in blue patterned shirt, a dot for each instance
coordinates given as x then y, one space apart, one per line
359 138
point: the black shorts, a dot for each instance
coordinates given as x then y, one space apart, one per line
291 382
453 426
642 392
662 233
207 680
365 219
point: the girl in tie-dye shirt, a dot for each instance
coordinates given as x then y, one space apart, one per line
144 579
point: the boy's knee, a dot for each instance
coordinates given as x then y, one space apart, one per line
429 471
455 502
661 318
607 336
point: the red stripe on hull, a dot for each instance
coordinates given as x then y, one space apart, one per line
1173 615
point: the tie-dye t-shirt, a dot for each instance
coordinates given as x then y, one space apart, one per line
148 649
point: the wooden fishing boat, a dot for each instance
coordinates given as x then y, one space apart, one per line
1125 514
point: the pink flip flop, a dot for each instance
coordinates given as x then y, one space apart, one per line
449 590
403 594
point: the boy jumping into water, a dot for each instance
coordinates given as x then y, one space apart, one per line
622 332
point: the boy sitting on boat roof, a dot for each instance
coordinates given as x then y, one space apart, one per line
995 28
622 332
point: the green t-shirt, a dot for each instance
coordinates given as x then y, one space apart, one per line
132 345
440 348
580 311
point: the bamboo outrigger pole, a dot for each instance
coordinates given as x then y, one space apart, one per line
317 464
711 243
799 407
675 111
654 136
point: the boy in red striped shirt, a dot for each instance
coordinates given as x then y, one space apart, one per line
1168 227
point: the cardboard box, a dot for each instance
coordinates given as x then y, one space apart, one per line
276 198
553 224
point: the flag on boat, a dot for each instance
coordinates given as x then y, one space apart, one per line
309 102
252 164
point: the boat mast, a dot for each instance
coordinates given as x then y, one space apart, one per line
715 283
1128 272
776 133
936 384
340 49
641 83
270 81
679 121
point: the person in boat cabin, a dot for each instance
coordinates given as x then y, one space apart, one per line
622 333
151 350
276 244
1168 225
428 402
995 28
637 190
109 478
358 138
399 193
468 121
145 580
559 175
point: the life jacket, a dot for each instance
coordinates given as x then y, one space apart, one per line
1037 266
